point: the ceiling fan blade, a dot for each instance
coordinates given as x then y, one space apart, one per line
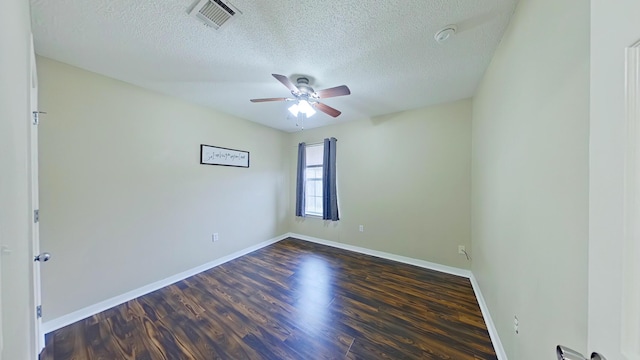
286 82
327 109
269 99
334 91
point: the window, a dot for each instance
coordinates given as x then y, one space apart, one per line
316 185
313 180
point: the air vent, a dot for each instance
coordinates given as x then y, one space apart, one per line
214 13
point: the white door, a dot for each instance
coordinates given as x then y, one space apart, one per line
614 247
35 229
630 304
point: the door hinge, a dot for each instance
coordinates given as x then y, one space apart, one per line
39 311
36 216
36 117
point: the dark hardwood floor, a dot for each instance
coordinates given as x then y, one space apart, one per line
290 300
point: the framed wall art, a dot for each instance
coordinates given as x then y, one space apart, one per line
215 155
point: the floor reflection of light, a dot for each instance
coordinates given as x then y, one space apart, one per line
314 279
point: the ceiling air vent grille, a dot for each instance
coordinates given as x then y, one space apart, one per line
214 13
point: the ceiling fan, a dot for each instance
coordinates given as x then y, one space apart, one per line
306 98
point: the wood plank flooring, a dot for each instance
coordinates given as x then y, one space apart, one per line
290 300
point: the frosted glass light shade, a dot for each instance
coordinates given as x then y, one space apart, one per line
302 106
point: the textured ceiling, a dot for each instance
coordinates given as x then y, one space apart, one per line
383 50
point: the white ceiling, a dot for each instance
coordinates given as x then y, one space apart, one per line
383 50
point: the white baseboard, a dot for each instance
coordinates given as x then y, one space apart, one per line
83 313
403 259
493 333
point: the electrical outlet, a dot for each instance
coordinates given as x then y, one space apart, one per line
461 249
516 324
361 228
215 237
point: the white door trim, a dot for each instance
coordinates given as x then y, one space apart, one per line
34 192
630 313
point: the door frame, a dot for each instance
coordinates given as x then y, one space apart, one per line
39 342
630 312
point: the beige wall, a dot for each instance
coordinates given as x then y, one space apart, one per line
124 200
16 333
530 179
405 177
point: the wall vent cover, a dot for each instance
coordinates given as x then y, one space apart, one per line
214 13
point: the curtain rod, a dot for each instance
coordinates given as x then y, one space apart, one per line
313 143
321 142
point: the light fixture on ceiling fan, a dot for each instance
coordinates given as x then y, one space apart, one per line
306 99
302 106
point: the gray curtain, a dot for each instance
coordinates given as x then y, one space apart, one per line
302 165
329 188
